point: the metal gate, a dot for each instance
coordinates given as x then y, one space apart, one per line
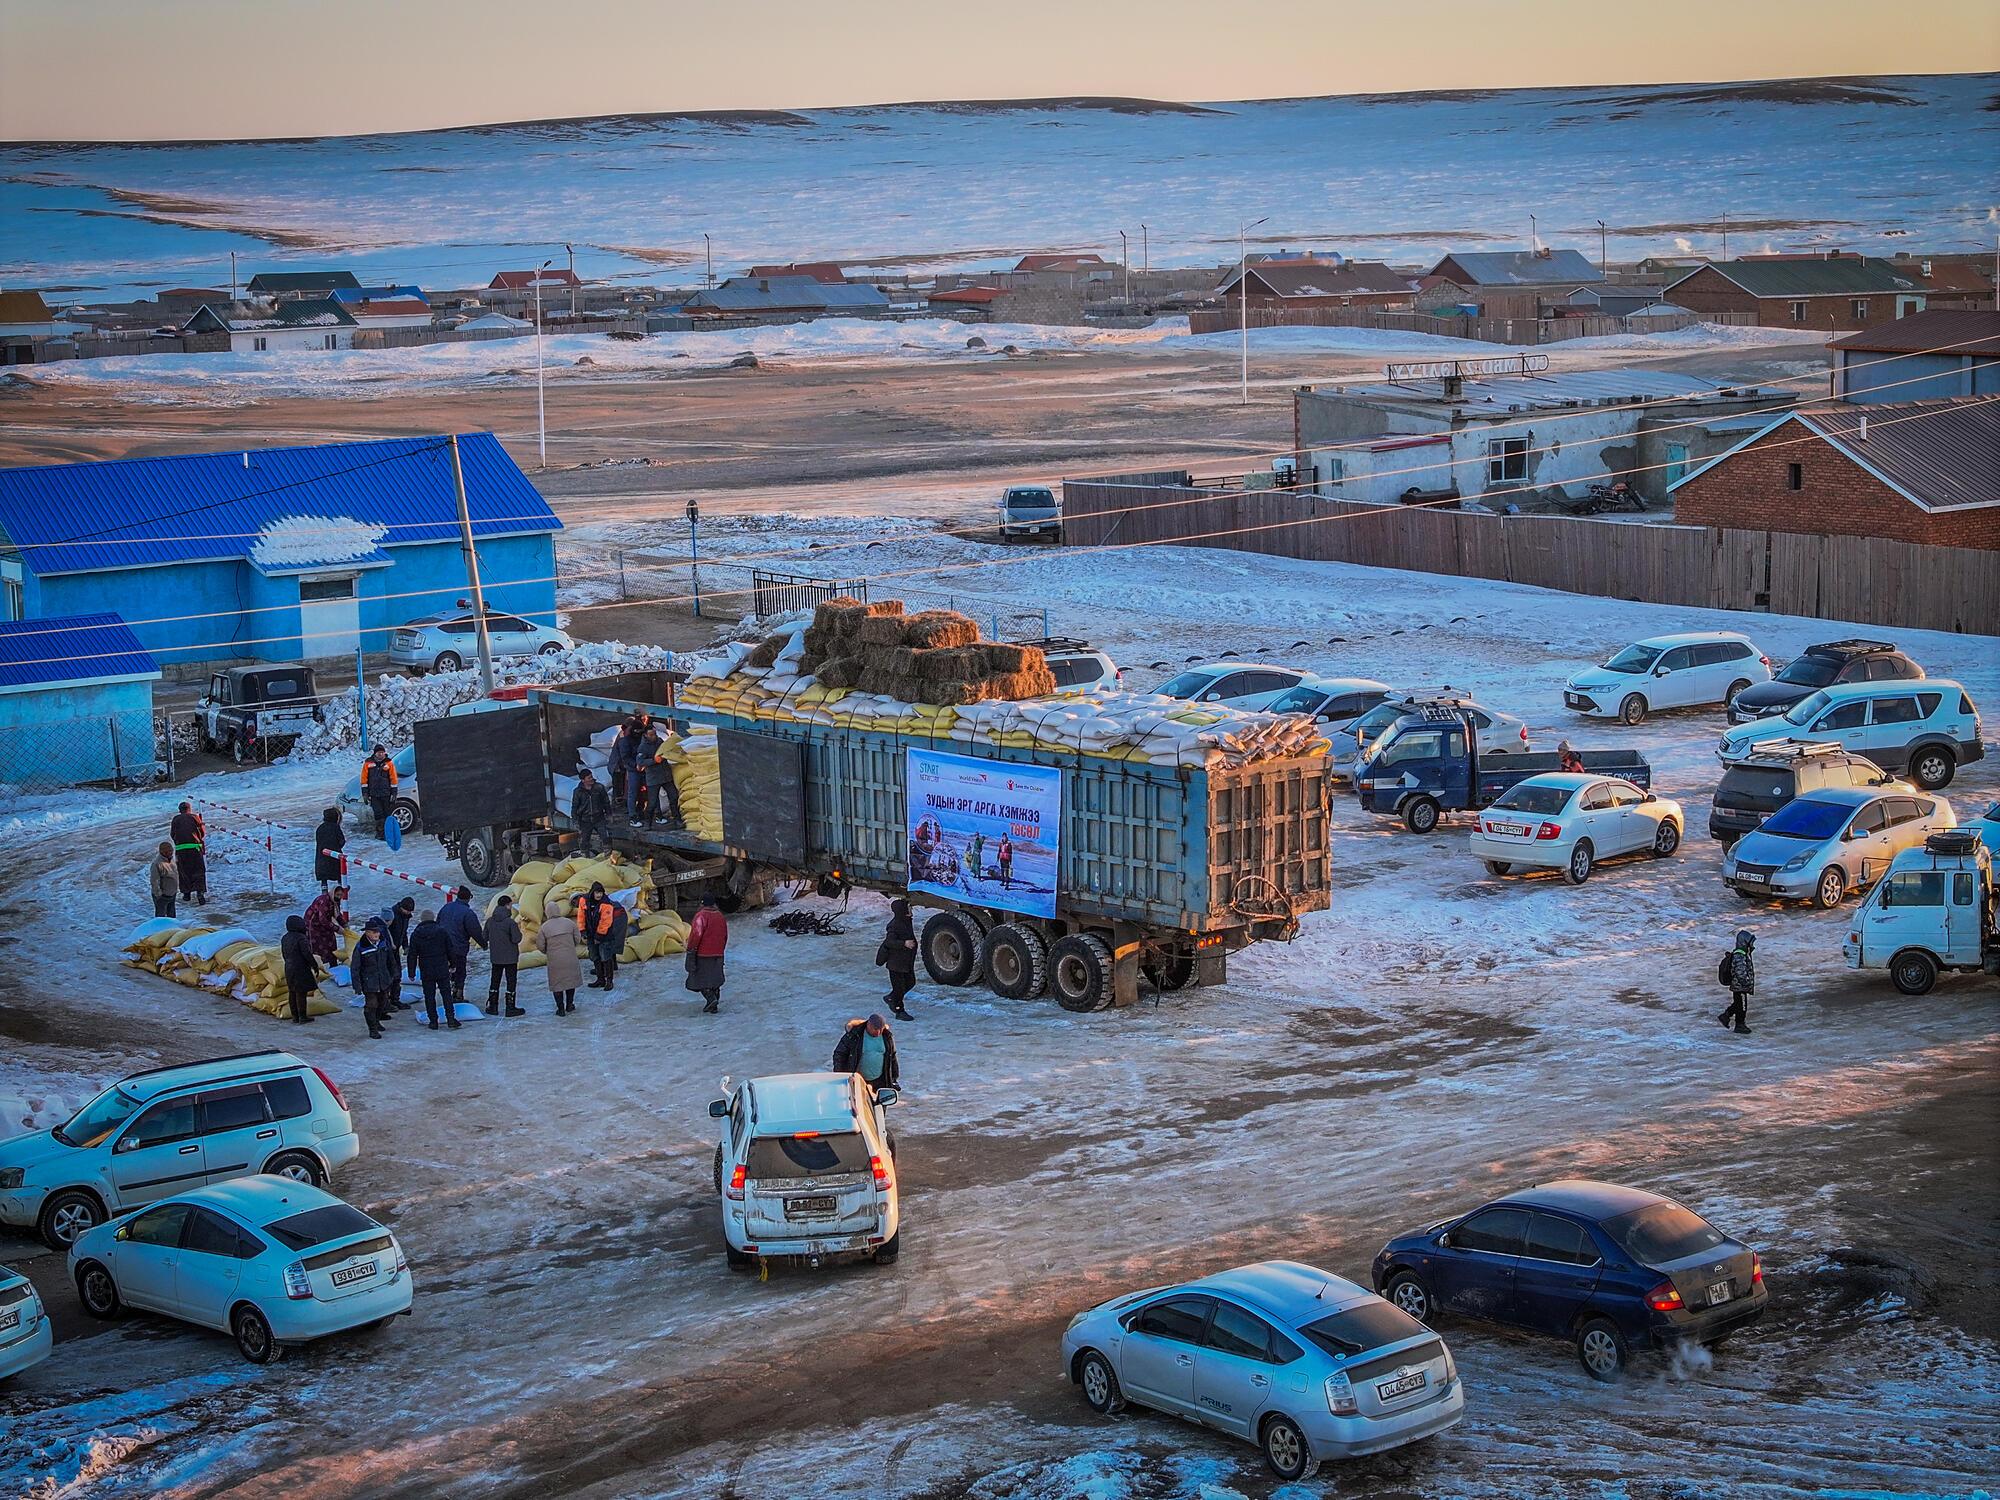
781 593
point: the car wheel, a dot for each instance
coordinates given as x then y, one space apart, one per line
1099 1384
236 751
406 813
448 661
1499 866
1017 962
1581 861
1667 839
1914 973
254 1340
1286 1450
1832 888
1411 1295
1633 709
553 648
299 1167
1080 972
96 1290
718 1166
1739 685
890 1248
1601 1349
1933 767
1421 816
66 1215
952 949
738 1260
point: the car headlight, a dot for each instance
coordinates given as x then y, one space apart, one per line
1799 861
1079 1318
12 1177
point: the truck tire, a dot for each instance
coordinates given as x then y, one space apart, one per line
1913 972
1420 814
1932 767
479 857
1171 973
1017 962
952 950
1080 973
236 751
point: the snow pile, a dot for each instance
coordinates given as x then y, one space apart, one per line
307 541
25 1114
395 704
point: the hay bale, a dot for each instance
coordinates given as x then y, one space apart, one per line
876 679
1012 687
948 694
937 629
880 630
819 643
1002 659
839 672
766 652
882 609
951 664
832 612
903 662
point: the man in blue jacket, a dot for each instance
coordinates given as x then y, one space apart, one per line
462 926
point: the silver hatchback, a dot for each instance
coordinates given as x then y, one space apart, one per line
448 643
1305 1364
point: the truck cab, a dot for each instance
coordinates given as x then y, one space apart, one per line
257 711
1933 911
1030 510
1430 760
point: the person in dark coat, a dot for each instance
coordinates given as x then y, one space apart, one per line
503 948
429 956
397 920
323 923
190 836
328 840
302 970
461 924
165 881
590 810
603 923
625 763
378 785
708 936
1742 983
663 800
373 970
898 954
868 1048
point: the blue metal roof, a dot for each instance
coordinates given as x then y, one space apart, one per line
70 648
282 508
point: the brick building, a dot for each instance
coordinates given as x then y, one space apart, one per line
1276 285
1831 291
1910 471
1506 283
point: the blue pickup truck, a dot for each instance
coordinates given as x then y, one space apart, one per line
1428 762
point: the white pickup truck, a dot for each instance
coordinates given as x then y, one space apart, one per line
1933 910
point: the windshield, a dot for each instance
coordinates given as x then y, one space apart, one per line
97 1119
1187 685
1529 798
1377 719
316 1226
1810 671
1030 500
1807 708
780 1156
1807 818
1634 659
1368 1325
1665 1232
1299 700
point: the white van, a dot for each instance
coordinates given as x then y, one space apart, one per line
167 1130
1934 910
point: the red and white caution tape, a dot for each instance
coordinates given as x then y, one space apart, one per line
365 864
270 854
243 813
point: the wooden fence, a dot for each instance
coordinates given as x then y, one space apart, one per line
1862 579
1518 331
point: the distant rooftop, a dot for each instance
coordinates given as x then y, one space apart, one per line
1557 388
1821 276
70 648
1944 330
282 283
1516 267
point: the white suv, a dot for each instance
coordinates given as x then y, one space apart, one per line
1927 728
167 1130
1232 684
806 1170
1079 667
1668 671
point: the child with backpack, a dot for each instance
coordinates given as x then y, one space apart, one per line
1738 972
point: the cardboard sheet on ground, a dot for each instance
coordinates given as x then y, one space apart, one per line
984 831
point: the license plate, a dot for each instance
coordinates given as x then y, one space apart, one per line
1509 828
809 1208
1389 1390
1571 700
1753 879
10 1317
1718 1292
348 1275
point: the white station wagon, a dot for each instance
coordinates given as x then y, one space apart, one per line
1668 671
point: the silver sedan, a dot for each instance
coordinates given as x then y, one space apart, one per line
448 643
1305 1364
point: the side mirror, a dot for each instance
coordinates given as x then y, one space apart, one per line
1443 1241
1660 671
1649 797
886 1097
129 1143
718 1109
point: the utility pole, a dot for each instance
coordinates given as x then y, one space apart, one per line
472 570
1603 250
1243 290
541 406
232 276
572 279
1145 250
1125 259
1534 234
694 555
360 691
708 254
1725 234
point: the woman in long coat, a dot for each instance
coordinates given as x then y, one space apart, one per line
558 940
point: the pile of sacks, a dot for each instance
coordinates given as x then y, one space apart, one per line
541 889
226 960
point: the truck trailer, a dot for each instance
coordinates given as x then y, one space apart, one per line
1153 871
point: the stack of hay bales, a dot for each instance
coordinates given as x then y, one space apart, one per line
935 657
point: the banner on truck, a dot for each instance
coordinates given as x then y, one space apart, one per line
985 832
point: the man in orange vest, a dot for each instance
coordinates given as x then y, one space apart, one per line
603 923
378 785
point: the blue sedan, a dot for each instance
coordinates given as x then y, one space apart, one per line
1612 1269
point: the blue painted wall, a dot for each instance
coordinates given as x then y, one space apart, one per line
73 751
207 611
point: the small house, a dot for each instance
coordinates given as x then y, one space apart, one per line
1282 285
786 298
293 324
1510 283
1937 352
1824 292
26 326
76 701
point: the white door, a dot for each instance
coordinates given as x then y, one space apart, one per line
329 618
209 1267
1637 827
1676 680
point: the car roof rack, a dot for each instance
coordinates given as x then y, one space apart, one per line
204 1062
1789 749
1953 841
1058 643
1854 647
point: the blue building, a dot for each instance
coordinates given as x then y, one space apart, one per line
76 701
1935 353
277 554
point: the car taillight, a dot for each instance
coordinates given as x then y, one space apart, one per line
331 1087
402 1263
881 1171
297 1286
1549 831
736 1183
1756 1268
1524 734
1664 1298
1340 1398
1765 660
1450 1367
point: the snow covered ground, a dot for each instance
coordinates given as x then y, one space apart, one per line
1435 1038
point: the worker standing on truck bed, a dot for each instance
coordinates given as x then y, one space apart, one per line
707 937
625 763
590 810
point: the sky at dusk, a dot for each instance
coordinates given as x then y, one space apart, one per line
230 69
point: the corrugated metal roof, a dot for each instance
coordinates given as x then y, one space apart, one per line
1942 330
357 497
273 282
1519 267
1941 454
522 281
1322 279
70 648
785 293
1499 393
1840 276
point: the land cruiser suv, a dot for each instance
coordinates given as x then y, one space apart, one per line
1821 666
1928 728
166 1130
1770 773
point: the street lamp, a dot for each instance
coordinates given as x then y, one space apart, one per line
1243 289
541 406
1125 259
1145 249
708 257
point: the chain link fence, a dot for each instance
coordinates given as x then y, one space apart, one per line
115 750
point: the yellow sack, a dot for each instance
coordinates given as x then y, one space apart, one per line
533 958
535 872
318 1004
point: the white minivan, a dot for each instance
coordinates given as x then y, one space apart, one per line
1668 671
